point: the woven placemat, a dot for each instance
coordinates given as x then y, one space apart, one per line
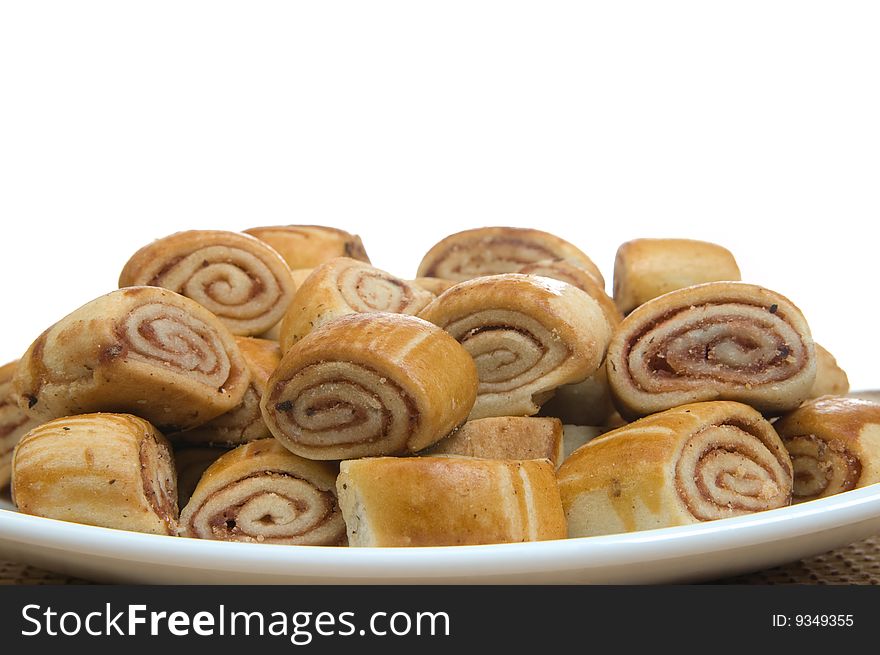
857 564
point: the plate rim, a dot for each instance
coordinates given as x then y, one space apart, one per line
582 553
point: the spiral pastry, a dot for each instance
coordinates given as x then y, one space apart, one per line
647 268
448 501
504 437
345 286
581 278
694 463
527 334
141 350
834 445
721 340
240 279
245 422
260 492
492 250
369 384
308 246
109 470
14 422
831 380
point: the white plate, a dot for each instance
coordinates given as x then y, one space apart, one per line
685 554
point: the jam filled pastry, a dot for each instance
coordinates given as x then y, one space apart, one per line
109 470
261 492
714 341
239 278
647 268
528 335
448 501
245 422
493 250
694 463
308 246
834 445
345 286
140 350
579 277
369 384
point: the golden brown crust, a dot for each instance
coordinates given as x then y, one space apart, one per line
14 422
579 277
369 384
239 278
831 380
715 341
345 286
527 334
834 445
647 268
448 501
109 470
505 437
492 250
260 492
245 422
140 350
696 462
307 246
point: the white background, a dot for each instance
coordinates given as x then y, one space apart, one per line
753 124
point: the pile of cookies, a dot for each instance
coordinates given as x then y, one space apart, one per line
273 386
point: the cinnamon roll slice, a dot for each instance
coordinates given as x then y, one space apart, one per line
245 422
721 340
369 384
448 501
527 334
647 268
834 445
239 278
261 492
140 350
505 437
579 277
346 286
831 380
308 246
697 462
492 250
109 470
14 422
